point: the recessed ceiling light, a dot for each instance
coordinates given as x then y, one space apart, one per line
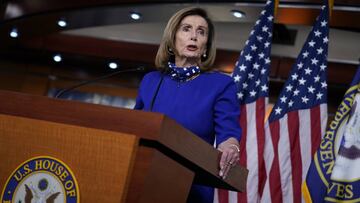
57 58
135 16
14 33
113 65
238 14
62 23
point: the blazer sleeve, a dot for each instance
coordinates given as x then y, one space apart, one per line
227 114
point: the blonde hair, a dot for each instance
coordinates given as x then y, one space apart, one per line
167 44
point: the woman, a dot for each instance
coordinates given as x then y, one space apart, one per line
186 89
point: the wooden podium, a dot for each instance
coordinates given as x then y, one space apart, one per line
116 155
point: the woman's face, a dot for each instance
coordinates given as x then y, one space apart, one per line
191 38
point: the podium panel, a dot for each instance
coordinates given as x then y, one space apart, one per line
115 154
101 166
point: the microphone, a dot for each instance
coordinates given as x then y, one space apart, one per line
63 91
156 92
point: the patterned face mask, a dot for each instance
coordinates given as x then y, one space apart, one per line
183 74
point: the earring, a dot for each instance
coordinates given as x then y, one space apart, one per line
204 55
170 51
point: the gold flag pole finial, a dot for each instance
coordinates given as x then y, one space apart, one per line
331 5
276 8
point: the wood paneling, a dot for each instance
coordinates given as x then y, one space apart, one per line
38 79
155 130
36 85
157 175
96 163
164 133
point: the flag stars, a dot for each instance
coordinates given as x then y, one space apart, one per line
265 28
294 76
320 50
248 57
261 55
237 78
325 40
242 67
250 75
311 89
322 67
304 99
289 88
296 92
319 95
317 78
267 44
323 85
314 61
312 43
256 60
290 103
300 65
264 88
302 81
253 47
267 60
245 85
317 33
323 23
308 71
305 54
263 71
278 110
283 99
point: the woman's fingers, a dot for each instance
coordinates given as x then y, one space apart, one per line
226 170
223 163
228 159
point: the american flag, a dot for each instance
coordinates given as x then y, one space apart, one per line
298 119
251 77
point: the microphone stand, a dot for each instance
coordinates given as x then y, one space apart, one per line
60 93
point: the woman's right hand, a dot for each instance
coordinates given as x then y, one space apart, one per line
229 156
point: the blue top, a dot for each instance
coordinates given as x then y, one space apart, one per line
206 105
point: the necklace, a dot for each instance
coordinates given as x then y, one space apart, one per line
193 77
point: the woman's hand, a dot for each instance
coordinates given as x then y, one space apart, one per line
229 157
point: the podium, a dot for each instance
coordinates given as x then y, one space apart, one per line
115 154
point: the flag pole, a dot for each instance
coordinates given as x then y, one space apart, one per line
331 5
276 5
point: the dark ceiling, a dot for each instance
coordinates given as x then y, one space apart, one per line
40 36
